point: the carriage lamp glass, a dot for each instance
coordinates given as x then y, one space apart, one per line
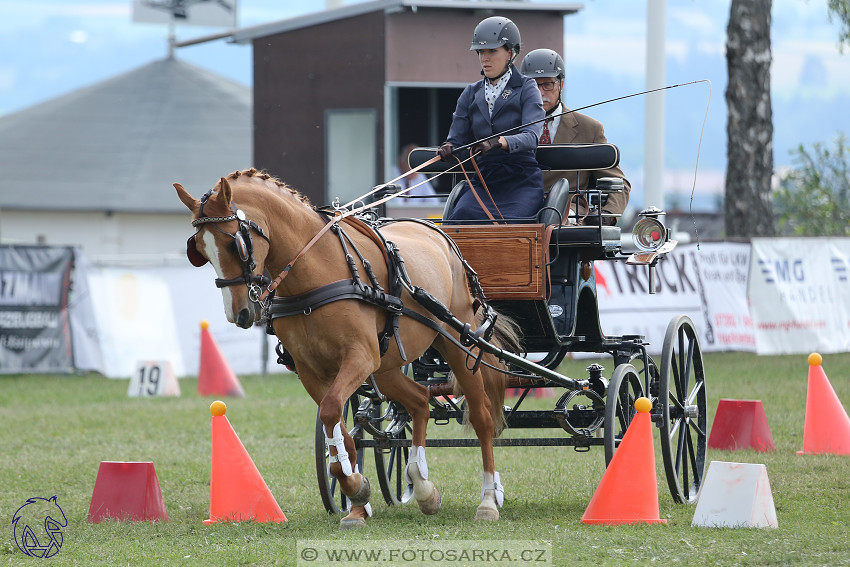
648 234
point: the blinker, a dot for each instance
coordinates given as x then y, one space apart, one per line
241 246
195 257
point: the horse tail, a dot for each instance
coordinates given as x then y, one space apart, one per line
506 336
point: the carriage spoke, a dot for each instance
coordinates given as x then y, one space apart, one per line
698 387
680 442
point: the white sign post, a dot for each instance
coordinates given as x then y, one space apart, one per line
153 378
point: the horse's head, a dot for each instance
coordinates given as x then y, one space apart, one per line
225 238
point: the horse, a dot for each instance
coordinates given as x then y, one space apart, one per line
251 225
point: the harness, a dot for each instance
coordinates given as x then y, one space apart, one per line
262 287
390 301
354 288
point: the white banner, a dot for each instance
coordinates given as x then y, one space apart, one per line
707 283
800 294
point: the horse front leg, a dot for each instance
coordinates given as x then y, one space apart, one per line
343 453
414 397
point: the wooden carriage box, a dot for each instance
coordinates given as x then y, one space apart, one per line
509 259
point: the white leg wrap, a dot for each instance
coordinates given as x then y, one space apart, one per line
338 442
493 482
420 471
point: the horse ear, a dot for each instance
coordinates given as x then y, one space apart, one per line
226 191
186 198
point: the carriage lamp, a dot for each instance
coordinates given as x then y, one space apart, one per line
649 234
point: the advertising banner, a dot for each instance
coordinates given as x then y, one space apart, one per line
708 283
800 294
35 333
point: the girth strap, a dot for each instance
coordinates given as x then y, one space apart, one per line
344 289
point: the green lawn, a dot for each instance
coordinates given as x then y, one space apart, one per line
57 429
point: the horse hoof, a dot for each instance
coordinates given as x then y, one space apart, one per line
348 523
361 497
431 505
486 514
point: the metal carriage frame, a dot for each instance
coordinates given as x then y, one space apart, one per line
556 306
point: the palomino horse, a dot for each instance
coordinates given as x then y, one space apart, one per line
336 345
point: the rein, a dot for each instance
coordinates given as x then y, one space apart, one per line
343 212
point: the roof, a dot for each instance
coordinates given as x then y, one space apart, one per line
248 34
118 145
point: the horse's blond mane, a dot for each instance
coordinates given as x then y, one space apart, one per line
262 175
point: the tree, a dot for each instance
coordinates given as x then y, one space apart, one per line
749 129
840 9
813 198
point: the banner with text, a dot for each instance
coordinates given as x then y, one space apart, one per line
35 333
708 283
800 294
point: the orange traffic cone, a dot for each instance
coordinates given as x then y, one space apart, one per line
628 491
237 491
827 428
215 378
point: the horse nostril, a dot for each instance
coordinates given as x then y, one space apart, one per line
244 318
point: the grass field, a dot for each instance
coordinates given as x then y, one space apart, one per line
57 429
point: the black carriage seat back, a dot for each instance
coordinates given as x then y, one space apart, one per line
558 157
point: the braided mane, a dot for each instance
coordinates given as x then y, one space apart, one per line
263 176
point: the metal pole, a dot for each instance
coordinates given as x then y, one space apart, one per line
653 159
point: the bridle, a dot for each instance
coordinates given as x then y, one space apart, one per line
243 244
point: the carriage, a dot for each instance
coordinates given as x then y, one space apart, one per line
439 298
540 273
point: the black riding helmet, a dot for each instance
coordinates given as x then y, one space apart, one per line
494 32
543 63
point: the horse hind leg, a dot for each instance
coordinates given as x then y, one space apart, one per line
482 391
414 397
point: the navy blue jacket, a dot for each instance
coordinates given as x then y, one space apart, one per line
513 177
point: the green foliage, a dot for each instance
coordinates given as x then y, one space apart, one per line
840 9
813 199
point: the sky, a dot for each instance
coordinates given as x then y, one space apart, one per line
52 47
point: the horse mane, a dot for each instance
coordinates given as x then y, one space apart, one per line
264 176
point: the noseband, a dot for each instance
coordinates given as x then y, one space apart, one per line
242 242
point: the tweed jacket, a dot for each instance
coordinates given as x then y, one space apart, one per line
577 128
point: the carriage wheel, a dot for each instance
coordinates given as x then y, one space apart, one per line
625 387
681 395
332 497
390 463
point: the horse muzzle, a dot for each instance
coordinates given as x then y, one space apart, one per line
246 317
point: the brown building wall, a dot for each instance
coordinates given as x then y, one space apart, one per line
301 73
433 45
345 64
